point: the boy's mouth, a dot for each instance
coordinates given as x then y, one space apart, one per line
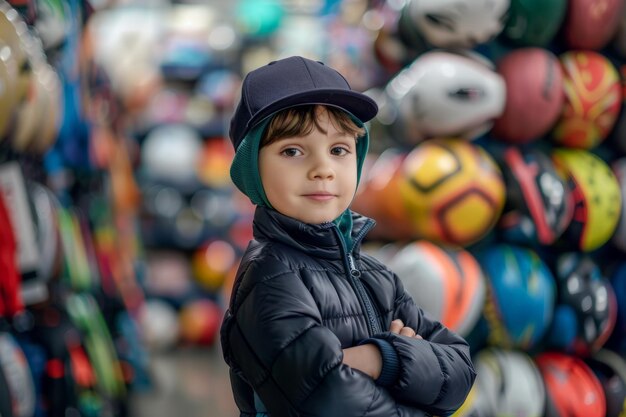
319 196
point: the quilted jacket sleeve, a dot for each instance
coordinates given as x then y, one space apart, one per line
436 372
275 341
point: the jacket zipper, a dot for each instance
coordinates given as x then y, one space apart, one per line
354 276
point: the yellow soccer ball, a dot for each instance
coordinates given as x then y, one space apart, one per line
596 194
452 190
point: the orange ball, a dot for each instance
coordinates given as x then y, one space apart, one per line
378 197
200 321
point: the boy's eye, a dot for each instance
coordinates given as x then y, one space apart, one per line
339 151
291 152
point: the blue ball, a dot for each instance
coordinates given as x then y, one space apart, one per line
563 329
520 297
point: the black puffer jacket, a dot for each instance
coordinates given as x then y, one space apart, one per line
299 299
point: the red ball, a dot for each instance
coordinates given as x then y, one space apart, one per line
572 388
534 95
590 24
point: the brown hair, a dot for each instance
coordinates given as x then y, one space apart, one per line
299 121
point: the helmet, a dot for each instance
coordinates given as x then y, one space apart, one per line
446 94
458 23
510 382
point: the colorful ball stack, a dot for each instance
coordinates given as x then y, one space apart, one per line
533 188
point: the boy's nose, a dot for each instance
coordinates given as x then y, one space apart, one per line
321 169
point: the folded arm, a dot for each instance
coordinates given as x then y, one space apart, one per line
436 372
275 341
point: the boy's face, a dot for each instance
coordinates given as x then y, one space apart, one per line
311 178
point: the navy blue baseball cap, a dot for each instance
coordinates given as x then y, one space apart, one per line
290 82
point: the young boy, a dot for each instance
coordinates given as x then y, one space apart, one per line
314 327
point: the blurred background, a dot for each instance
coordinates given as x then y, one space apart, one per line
496 174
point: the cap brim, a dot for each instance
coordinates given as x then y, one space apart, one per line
361 106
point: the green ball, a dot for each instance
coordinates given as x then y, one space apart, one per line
534 22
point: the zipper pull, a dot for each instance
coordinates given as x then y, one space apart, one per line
353 271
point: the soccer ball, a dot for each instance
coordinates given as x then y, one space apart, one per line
520 296
539 206
596 195
452 191
534 95
593 99
571 386
445 281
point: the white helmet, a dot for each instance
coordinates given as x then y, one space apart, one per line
458 23
510 382
447 94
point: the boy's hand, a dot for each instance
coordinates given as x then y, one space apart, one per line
366 358
397 327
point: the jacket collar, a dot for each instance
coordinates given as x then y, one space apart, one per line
320 240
